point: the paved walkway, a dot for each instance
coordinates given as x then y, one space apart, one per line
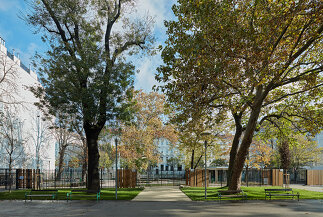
309 188
161 193
286 208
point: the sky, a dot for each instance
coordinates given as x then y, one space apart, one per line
20 37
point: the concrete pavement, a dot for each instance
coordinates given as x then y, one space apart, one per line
307 187
164 201
162 193
161 209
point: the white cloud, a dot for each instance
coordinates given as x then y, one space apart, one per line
156 8
160 10
145 79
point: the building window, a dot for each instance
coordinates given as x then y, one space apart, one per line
162 167
167 168
172 168
179 168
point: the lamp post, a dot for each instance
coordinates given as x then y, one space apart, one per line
116 179
205 133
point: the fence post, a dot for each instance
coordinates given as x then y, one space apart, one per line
70 172
17 178
221 176
55 178
101 178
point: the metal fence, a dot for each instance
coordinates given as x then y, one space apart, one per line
7 179
249 177
151 178
298 176
72 178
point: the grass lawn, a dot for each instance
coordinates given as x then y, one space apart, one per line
254 193
106 194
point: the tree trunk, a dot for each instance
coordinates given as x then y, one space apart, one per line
198 161
85 161
60 162
235 146
10 168
93 158
241 156
192 160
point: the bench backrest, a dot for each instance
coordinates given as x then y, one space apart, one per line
44 190
279 189
230 191
85 191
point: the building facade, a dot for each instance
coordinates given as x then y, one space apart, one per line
32 144
170 158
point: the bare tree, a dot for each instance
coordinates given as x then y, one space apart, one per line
65 136
11 140
8 75
84 153
40 137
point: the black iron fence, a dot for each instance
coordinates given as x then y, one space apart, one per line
74 178
151 177
257 177
7 179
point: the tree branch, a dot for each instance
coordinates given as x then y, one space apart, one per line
59 27
291 94
128 44
298 77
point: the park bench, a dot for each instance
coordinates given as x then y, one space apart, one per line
52 194
83 193
280 192
232 194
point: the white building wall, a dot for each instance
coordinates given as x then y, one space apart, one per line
166 152
28 114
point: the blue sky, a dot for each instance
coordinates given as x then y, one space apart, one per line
20 38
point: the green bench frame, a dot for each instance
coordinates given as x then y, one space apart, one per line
280 192
52 194
89 193
233 194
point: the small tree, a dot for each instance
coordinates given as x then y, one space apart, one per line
11 140
140 138
260 154
304 151
8 76
63 138
40 136
107 152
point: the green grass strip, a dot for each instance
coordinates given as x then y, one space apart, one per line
106 194
254 193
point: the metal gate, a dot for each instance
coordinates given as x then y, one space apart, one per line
160 177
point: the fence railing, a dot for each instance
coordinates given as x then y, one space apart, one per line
74 178
150 177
